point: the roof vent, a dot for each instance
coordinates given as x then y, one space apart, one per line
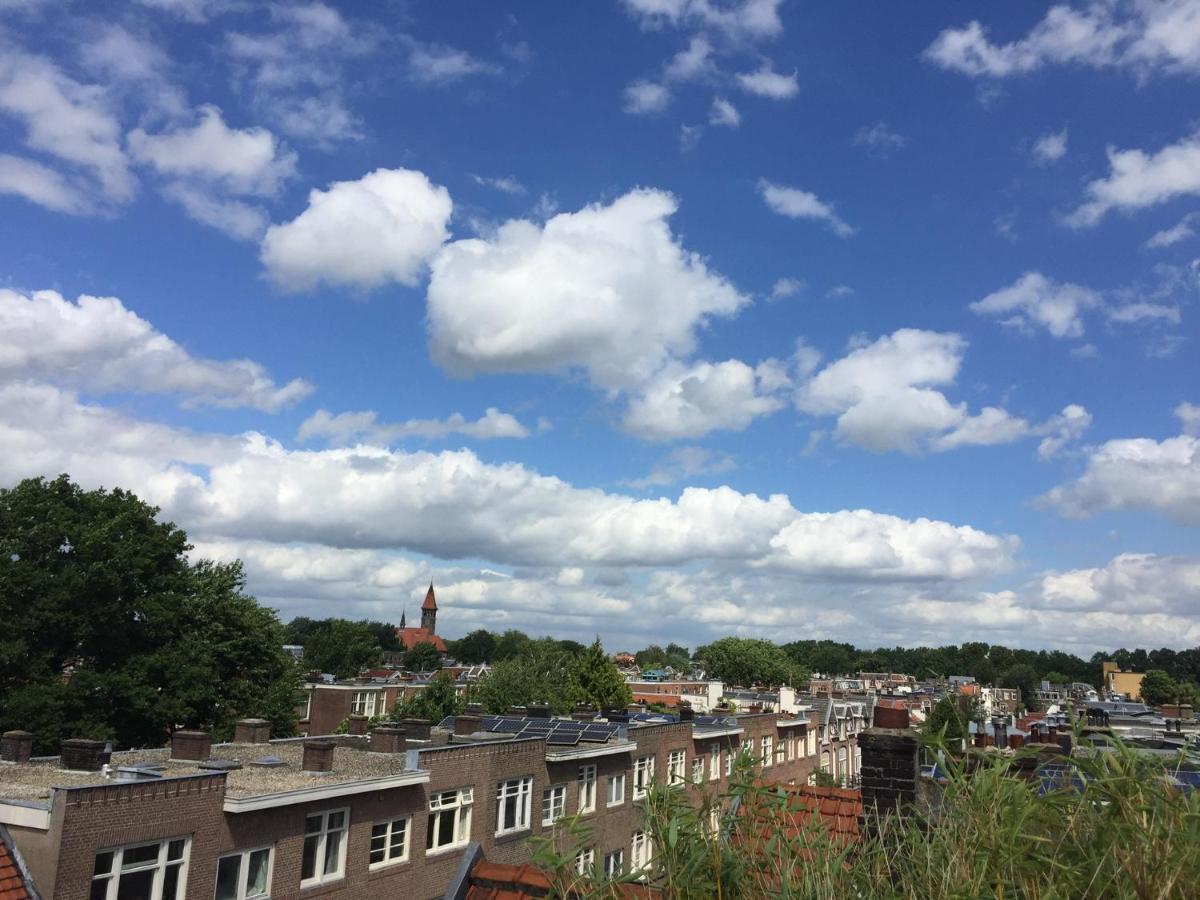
139 773
269 762
221 765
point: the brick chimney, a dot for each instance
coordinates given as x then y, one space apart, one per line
583 713
82 755
686 713
318 756
252 731
191 745
16 746
465 724
890 767
418 729
890 714
389 739
538 711
357 725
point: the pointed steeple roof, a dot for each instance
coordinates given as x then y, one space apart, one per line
403 613
430 600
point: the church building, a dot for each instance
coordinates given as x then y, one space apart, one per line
427 633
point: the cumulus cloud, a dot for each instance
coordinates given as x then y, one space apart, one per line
97 344
608 290
739 20
506 184
724 114
440 64
1183 230
382 228
797 204
691 401
646 98
1137 180
787 287
879 140
692 62
348 427
766 82
244 221
1036 301
1135 583
1062 430
1050 148
40 184
1142 37
452 505
1189 417
684 463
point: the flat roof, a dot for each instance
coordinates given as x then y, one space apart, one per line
34 781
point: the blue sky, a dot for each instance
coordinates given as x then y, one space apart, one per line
658 319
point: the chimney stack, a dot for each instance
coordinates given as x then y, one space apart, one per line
686 713
890 766
16 746
252 731
357 725
417 729
389 739
191 745
82 755
464 724
318 756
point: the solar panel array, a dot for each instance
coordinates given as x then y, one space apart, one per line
557 732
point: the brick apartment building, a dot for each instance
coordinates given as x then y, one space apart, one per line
389 814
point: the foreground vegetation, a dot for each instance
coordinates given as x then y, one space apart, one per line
1117 829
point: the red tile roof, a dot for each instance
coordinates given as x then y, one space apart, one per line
13 885
410 637
430 600
494 881
836 809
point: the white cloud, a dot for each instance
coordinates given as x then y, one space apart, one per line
692 62
382 228
1183 230
991 426
1062 430
1136 474
724 114
739 20
66 119
1189 418
1050 148
838 291
646 98
453 505
190 10
1143 37
97 344
766 82
684 463
439 64
243 221
607 289
1143 311
241 161
1138 180
797 204
879 139
505 184
787 287
349 427
1135 583
1035 300
39 184
689 401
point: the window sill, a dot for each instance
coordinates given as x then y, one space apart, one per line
327 886
515 835
448 849
386 867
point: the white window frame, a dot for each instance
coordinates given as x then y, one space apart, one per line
320 876
389 834
587 789
307 705
728 763
641 852
698 769
643 774
520 792
159 866
614 863
457 803
714 819
585 861
714 762
616 786
243 857
554 803
812 744
363 703
676 767
765 745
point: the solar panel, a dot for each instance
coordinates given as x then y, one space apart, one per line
447 722
510 726
563 738
568 725
599 732
537 728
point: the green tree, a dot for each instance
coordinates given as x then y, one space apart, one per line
541 675
341 648
948 714
1023 676
109 631
1158 687
511 644
438 700
423 657
747 661
477 647
596 681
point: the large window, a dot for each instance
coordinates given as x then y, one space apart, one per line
714 762
389 842
585 861
614 863
676 761
728 763
587 788
616 789
643 774
697 768
513 799
156 871
812 743
449 819
364 703
639 857
766 750
245 875
554 803
324 847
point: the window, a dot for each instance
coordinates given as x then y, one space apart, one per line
714 762
812 743
748 746
324 847
554 803
676 760
643 774
766 749
449 819
697 768
363 703
244 876
389 842
616 789
781 750
156 871
614 863
714 819
587 789
513 799
585 861
307 705
728 763
639 857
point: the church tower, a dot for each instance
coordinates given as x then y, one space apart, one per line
429 611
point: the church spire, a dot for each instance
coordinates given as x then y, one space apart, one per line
429 611
402 615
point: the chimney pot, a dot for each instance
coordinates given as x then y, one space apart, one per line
891 714
191 745
318 756
252 731
16 746
82 755
686 713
